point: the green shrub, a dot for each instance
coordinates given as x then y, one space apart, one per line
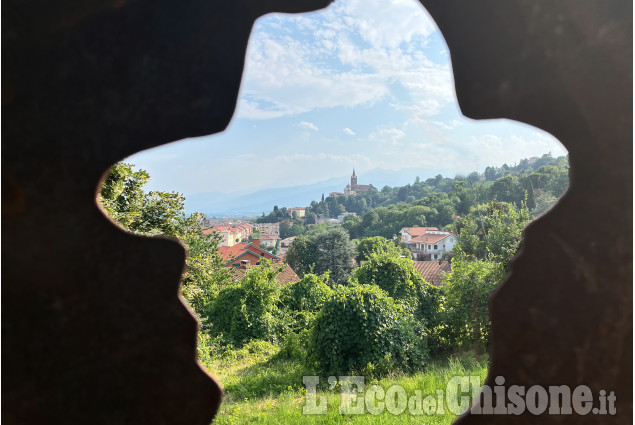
248 310
300 301
361 324
398 277
393 274
379 245
308 294
467 289
294 346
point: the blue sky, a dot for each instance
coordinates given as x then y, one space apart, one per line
364 84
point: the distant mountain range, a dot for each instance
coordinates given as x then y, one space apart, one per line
243 204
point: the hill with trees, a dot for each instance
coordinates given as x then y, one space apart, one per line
437 201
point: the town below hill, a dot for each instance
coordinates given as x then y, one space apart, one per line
378 283
365 211
426 218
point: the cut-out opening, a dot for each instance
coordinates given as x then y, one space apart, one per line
365 86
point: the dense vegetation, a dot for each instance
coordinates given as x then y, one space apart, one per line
360 306
436 201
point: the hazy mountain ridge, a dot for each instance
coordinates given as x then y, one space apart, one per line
255 203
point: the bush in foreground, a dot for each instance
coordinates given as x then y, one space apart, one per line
248 310
361 327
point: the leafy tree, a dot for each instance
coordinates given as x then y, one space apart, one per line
508 189
311 218
335 254
544 202
352 224
531 202
557 179
473 178
122 193
491 173
204 275
154 213
493 229
161 212
326 248
302 255
378 244
285 227
467 289
370 219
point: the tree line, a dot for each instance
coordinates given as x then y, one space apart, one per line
436 201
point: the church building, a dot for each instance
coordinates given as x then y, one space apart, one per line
354 188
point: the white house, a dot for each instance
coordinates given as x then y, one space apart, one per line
427 243
407 233
341 217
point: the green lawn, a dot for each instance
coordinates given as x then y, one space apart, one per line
262 388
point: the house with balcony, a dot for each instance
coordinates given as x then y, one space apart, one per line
427 243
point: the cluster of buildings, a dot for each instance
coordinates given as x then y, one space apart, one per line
237 233
231 233
240 257
269 234
244 245
427 243
353 188
339 220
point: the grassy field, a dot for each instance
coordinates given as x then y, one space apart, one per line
261 387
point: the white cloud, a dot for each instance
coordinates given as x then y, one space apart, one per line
447 125
392 135
308 125
350 55
387 23
349 131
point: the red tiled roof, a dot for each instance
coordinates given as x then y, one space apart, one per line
418 231
431 271
229 252
286 276
296 208
429 238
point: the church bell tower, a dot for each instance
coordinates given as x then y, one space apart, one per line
353 179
